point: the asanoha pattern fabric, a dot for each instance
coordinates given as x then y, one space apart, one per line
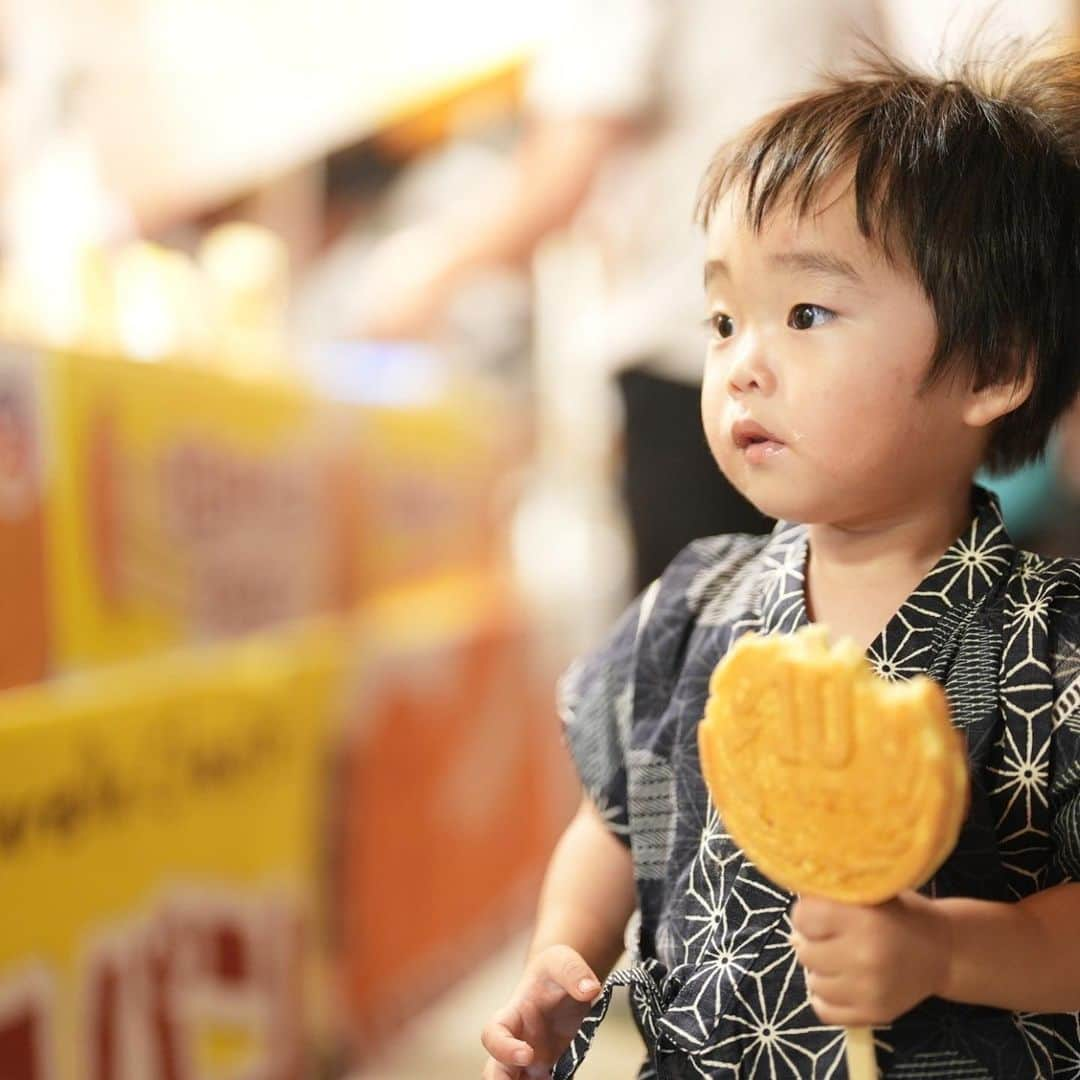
715 987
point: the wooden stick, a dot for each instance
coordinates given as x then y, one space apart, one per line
861 1059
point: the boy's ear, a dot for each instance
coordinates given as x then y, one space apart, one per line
995 400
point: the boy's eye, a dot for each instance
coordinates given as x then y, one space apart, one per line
722 325
807 316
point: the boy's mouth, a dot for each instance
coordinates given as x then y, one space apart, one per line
755 441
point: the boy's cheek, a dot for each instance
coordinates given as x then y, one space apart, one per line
713 402
716 436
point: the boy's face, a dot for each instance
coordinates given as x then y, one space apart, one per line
816 340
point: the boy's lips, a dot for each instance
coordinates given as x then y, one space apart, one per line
747 433
756 443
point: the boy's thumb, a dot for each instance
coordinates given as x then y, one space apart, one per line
571 972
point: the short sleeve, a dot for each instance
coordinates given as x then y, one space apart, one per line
595 706
1065 798
1065 834
612 703
601 58
1065 752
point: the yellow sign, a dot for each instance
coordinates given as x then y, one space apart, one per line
145 507
158 828
185 506
439 488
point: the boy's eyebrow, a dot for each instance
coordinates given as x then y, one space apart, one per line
822 263
714 267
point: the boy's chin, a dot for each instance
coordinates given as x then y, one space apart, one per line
794 506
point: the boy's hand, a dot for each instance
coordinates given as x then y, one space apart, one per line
528 1035
866 966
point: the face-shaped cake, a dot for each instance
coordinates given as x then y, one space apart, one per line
833 781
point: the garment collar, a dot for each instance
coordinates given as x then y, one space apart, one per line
972 567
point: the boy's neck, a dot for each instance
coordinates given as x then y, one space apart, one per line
858 576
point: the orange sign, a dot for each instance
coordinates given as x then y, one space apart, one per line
24 631
455 788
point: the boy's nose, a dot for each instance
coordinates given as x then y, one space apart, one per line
750 369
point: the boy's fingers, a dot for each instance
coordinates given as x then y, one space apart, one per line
500 1041
822 959
569 971
831 990
494 1071
814 918
840 1015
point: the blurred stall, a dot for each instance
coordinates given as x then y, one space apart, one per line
189 104
152 931
271 689
155 509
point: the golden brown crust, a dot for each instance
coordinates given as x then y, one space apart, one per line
833 781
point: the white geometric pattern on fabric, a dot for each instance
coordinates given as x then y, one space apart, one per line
983 557
1024 776
784 586
1064 1052
731 923
773 1042
715 945
1027 699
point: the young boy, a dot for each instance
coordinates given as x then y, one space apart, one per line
892 276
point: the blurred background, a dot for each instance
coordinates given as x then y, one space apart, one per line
348 389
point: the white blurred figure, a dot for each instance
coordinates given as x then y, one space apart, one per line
626 103
921 31
56 211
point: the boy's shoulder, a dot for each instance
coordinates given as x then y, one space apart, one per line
720 572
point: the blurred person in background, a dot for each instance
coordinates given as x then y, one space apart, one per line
625 102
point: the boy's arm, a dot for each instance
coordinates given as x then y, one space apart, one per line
588 893
414 275
587 897
1023 956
